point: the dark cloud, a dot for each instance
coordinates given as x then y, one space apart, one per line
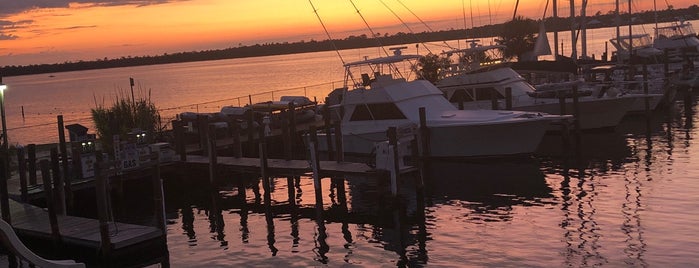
11 7
7 36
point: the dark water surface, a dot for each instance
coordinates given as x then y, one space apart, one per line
628 198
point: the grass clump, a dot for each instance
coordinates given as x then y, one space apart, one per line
125 115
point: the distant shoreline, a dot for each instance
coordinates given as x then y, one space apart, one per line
351 42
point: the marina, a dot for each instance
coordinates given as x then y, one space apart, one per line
250 190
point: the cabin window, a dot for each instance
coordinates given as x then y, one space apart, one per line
486 93
461 95
379 111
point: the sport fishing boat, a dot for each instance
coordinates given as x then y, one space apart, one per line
473 87
385 98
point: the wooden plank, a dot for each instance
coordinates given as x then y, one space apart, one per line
288 167
33 221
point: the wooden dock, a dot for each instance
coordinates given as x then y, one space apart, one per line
29 220
281 167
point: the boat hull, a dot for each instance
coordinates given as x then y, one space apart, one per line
478 140
597 113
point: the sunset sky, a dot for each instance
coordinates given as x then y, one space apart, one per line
55 31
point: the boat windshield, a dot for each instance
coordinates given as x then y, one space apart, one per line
675 30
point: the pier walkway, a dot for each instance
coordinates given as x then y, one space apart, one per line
29 220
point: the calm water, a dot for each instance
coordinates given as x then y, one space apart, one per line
628 198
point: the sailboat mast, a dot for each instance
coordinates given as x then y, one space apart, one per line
583 28
655 10
574 42
630 32
555 32
618 32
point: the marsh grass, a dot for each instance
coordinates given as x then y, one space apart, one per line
125 115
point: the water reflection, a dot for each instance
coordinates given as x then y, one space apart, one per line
489 189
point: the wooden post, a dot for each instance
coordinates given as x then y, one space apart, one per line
50 205
315 166
202 129
646 98
237 148
4 193
158 195
180 143
508 98
251 132
393 148
328 133
59 194
339 149
291 190
213 158
101 188
293 131
424 135
286 136
419 181
562 102
264 166
287 132
31 161
67 188
75 152
576 107
22 170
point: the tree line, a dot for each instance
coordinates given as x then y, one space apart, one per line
351 42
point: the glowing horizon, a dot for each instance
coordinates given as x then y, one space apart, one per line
94 29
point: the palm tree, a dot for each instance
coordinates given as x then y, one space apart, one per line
431 67
518 36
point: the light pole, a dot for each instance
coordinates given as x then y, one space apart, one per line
4 196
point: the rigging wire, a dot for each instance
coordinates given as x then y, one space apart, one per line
373 34
423 22
417 38
326 32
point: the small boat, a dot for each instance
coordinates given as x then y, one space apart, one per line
386 98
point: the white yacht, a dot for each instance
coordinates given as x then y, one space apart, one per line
384 98
476 89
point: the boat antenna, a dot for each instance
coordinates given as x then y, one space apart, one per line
326 32
514 14
369 27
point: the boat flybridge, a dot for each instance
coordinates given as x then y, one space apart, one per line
475 89
382 97
677 37
640 44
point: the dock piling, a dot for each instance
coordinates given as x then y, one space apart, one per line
31 163
101 188
393 148
211 137
315 165
22 170
58 186
50 206
68 192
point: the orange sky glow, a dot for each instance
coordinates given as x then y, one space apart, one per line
35 31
